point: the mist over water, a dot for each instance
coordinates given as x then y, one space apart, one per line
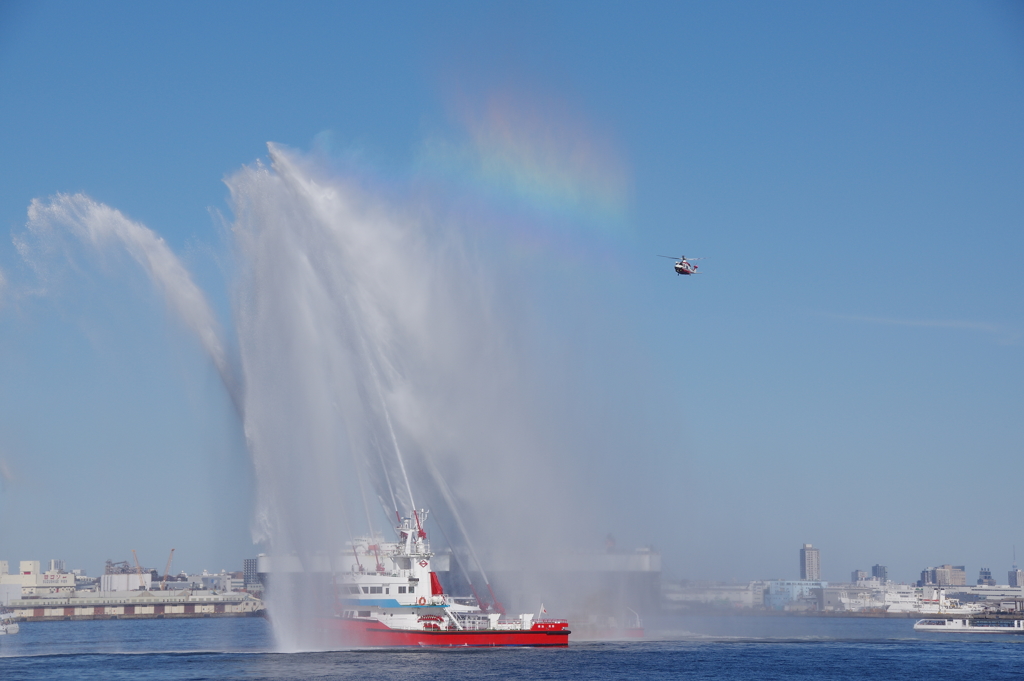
375 354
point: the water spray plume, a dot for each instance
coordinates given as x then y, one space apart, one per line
340 312
364 333
102 227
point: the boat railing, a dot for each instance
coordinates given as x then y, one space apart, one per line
473 622
374 573
508 624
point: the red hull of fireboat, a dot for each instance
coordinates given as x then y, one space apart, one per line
375 634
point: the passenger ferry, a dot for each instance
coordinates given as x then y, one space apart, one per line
972 625
387 595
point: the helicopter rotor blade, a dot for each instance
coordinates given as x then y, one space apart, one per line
668 256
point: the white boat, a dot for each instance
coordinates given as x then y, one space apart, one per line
929 600
7 623
972 625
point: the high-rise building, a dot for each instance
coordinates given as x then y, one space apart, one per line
944 575
858 576
880 573
810 563
56 565
1016 577
985 577
249 574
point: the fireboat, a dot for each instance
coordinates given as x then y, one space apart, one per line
387 595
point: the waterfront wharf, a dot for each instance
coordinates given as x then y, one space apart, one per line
137 605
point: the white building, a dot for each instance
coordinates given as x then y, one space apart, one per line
30 581
804 594
126 582
223 581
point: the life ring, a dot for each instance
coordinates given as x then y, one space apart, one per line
423 563
422 601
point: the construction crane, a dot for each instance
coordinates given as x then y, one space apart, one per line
167 570
138 570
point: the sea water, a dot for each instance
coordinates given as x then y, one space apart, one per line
724 647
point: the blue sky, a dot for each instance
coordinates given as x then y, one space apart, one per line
847 371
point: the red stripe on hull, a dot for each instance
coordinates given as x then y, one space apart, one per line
375 634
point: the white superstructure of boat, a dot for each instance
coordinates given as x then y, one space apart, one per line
903 598
933 601
972 625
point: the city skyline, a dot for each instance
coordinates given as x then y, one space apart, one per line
809 569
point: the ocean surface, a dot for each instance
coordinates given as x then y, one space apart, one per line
711 647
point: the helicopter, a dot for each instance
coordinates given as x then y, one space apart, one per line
683 266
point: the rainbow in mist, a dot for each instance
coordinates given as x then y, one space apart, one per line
543 158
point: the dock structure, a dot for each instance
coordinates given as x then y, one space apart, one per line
137 605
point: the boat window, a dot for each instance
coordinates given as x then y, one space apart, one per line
364 613
401 589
